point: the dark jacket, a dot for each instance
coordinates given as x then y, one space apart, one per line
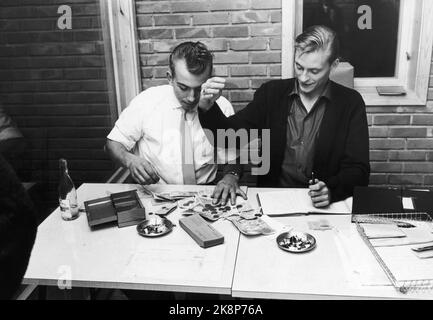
342 150
17 230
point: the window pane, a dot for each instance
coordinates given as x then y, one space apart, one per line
368 31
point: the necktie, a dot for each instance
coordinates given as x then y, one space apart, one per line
187 150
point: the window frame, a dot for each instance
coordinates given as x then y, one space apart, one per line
415 41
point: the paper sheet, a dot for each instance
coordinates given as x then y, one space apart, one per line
422 233
295 201
382 230
177 262
359 263
404 265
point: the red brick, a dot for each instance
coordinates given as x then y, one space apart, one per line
275 44
378 155
248 70
146 34
275 70
250 17
407 155
239 96
378 179
378 132
420 143
144 21
231 57
210 18
386 167
146 72
152 7
154 59
422 167
230 32
189 6
226 5
172 20
256 83
145 47
406 179
192 33
391 119
248 44
268 4
160 72
265 57
276 16
426 120
237 83
408 132
266 30
386 144
221 71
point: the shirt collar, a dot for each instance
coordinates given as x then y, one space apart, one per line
175 104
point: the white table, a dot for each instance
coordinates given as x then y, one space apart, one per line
265 271
120 258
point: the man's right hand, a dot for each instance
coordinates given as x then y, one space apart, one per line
142 170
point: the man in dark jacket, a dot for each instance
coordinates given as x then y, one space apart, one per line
318 129
17 230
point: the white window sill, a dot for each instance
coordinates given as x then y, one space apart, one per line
372 98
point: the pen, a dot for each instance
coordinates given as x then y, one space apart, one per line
312 178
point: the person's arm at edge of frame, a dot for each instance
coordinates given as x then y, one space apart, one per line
18 228
355 166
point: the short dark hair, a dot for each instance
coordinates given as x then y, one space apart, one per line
319 37
196 55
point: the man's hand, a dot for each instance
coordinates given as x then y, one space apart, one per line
211 90
142 170
320 194
227 186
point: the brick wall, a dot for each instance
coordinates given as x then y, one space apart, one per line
53 84
246 38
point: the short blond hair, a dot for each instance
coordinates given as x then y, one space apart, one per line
319 37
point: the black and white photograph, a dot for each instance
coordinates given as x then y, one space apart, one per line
216 158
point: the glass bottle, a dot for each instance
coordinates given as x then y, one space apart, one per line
67 193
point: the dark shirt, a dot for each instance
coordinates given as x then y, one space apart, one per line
302 132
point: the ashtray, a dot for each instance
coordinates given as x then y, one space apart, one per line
296 241
154 227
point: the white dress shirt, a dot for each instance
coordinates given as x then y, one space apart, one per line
149 127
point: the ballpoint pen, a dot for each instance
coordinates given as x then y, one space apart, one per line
312 178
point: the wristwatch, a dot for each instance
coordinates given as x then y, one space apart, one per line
236 174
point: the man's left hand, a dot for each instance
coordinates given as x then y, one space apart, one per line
320 194
227 187
211 90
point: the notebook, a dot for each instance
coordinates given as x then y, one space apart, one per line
295 201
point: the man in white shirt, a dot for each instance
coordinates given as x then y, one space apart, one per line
158 137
